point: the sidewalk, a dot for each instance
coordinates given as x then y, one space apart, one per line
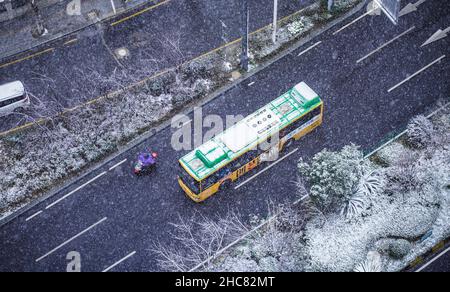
15 34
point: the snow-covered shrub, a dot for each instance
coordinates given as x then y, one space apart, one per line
300 25
390 154
370 185
420 132
398 249
372 264
334 175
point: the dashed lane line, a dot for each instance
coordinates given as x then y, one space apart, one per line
385 45
356 20
265 169
119 262
75 190
417 73
71 239
309 49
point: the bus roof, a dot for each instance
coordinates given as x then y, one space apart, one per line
249 132
11 90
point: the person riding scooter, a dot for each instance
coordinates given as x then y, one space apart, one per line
145 161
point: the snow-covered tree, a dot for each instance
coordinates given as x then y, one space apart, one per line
420 132
333 176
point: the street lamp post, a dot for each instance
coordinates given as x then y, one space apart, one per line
275 20
245 29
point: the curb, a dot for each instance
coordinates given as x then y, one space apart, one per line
190 107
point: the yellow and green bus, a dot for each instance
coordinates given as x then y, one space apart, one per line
231 154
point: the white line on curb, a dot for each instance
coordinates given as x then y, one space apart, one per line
119 262
265 169
385 45
417 73
433 260
69 240
118 164
76 190
310 48
32 216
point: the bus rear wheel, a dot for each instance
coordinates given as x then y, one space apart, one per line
225 185
288 144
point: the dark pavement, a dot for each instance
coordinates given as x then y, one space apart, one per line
179 30
438 262
358 109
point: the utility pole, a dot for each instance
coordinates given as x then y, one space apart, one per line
244 31
40 29
275 21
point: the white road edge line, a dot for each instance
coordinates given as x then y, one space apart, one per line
118 164
417 73
265 169
71 239
433 260
32 216
119 262
76 190
402 133
386 44
356 20
310 48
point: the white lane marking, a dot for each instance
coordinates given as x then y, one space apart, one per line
385 45
119 262
356 20
433 260
301 199
184 124
76 190
118 164
251 83
265 169
70 240
32 216
310 48
417 73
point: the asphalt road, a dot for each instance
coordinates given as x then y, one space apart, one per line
439 262
359 109
83 65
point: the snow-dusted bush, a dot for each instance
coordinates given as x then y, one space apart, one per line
333 176
390 154
370 185
398 249
420 132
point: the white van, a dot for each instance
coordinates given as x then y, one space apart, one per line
12 96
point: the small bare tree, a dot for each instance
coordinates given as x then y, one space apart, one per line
197 240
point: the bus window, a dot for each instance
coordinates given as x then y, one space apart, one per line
190 182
